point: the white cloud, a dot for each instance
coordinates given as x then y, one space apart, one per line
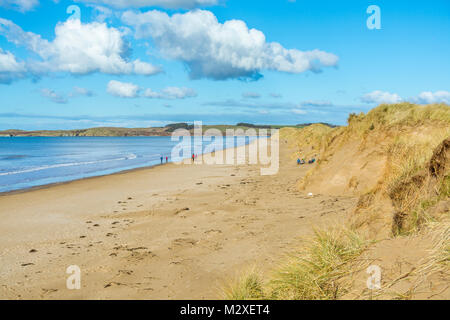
221 51
53 96
381 97
131 90
10 68
171 93
8 62
79 49
425 97
123 89
168 4
428 97
58 97
20 5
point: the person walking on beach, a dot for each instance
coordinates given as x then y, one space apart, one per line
167 159
162 159
193 158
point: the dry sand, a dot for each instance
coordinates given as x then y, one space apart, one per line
168 232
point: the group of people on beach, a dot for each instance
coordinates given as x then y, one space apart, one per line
194 156
162 159
302 161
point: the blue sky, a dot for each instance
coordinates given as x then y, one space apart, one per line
143 63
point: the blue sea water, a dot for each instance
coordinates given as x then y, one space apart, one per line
35 161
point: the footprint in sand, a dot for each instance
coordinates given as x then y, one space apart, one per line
184 242
125 272
110 284
48 291
181 210
139 256
213 231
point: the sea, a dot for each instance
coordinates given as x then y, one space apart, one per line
27 162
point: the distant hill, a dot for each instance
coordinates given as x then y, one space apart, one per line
133 132
93 132
324 123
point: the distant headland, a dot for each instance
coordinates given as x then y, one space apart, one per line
138 132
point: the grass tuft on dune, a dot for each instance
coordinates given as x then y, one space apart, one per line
318 271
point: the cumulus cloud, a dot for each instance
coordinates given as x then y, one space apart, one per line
122 89
428 97
79 49
63 98
381 97
167 4
171 93
10 68
54 96
221 50
20 5
425 97
131 90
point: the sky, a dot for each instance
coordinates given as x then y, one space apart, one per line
141 63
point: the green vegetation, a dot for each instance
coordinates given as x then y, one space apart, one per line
387 116
317 272
130 132
248 286
175 126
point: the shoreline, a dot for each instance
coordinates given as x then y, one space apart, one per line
50 185
164 232
55 184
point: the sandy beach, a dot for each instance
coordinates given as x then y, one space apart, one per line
167 232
